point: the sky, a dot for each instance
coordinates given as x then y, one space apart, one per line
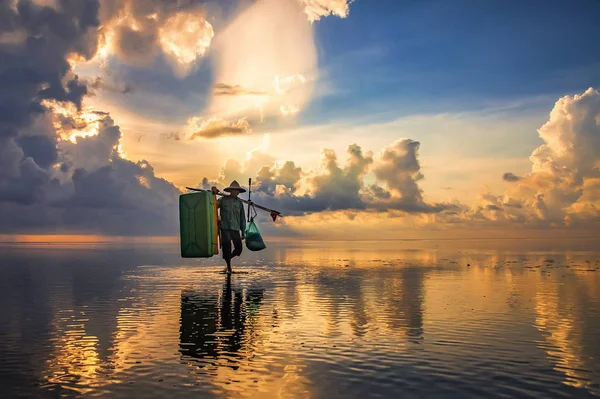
355 119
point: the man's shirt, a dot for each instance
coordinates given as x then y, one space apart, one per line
232 214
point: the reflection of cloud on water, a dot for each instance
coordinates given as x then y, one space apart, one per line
105 324
410 303
390 302
78 304
357 255
304 331
567 328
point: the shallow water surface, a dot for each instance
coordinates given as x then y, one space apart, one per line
320 320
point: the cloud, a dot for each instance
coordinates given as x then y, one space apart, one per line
139 30
286 187
115 87
288 109
215 127
223 89
185 38
334 187
91 152
171 136
559 189
510 177
41 149
284 178
136 46
279 68
87 187
250 167
316 9
61 163
375 193
572 137
22 181
399 169
16 37
38 69
127 196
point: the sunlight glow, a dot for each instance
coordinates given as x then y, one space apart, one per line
71 124
280 61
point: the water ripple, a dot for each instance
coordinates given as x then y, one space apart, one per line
290 324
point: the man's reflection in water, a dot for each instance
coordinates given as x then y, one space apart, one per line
213 326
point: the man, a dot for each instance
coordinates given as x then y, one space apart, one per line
232 222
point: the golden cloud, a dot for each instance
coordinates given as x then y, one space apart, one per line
185 38
317 9
215 127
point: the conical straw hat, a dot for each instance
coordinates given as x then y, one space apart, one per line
235 186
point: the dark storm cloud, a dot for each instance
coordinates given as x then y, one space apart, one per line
127 191
46 183
34 69
128 197
31 71
28 188
105 193
64 167
41 148
73 92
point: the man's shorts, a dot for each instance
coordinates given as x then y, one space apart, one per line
228 236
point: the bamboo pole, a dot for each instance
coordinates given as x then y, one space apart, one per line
244 201
249 192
